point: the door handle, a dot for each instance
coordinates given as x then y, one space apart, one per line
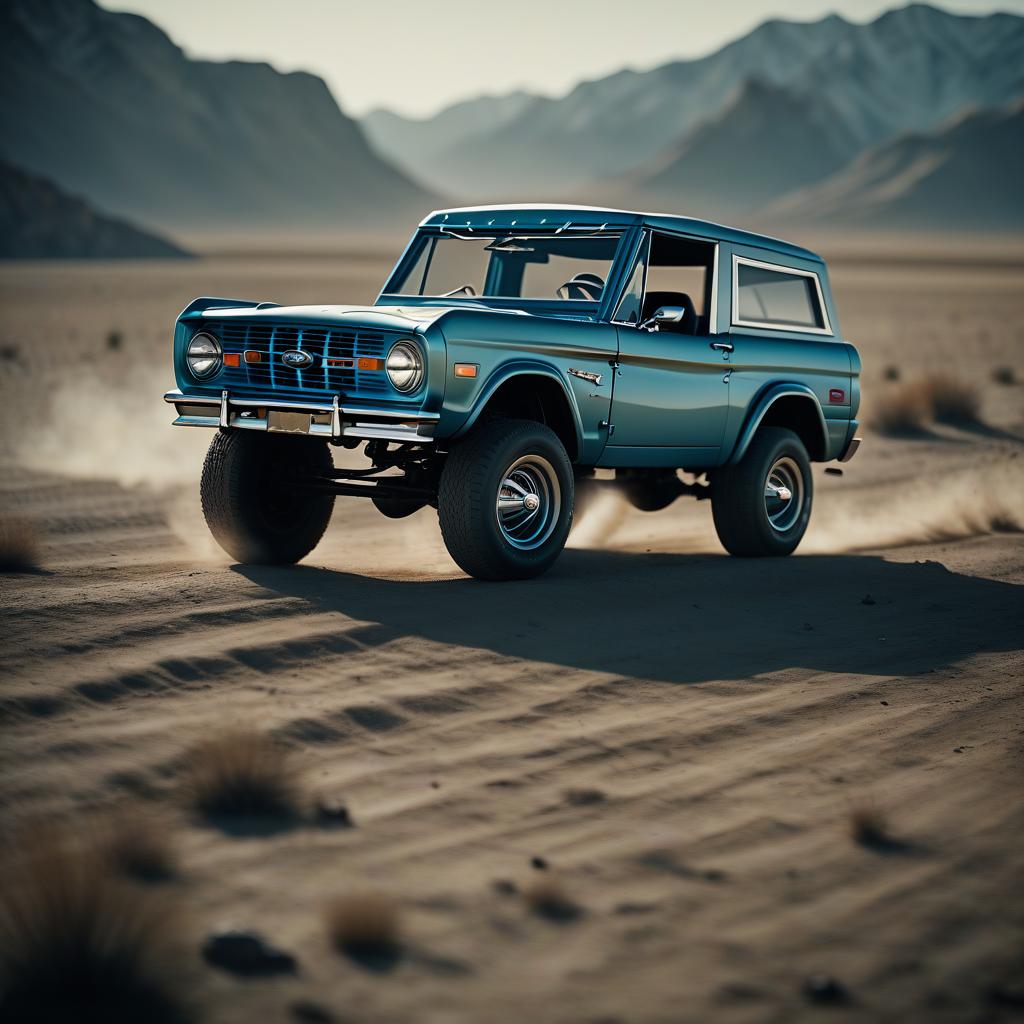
723 346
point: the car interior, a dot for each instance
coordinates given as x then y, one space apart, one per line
679 273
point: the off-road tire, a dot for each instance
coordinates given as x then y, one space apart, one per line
469 490
738 496
250 499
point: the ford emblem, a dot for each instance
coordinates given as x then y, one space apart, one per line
297 359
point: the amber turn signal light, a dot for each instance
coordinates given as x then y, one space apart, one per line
466 369
365 363
252 356
232 359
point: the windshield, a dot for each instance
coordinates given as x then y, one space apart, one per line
529 266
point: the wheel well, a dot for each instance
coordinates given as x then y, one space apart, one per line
799 415
531 396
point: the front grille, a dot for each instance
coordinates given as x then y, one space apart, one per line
321 342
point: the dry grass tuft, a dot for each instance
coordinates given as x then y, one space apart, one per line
899 412
366 927
903 411
1005 375
19 546
950 400
547 898
242 774
139 846
79 944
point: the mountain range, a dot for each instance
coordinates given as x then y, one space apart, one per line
906 120
966 176
779 110
108 106
40 221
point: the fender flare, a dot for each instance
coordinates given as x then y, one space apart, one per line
759 410
522 368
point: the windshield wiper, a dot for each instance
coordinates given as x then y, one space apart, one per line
508 245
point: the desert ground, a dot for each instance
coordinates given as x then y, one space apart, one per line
618 794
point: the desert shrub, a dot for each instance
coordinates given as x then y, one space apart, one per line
899 412
891 373
79 944
1005 375
138 845
949 399
19 546
366 927
242 773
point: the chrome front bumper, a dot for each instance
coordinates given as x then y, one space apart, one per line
332 422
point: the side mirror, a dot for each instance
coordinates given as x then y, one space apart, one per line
664 315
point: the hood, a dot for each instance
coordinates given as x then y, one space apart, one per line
385 318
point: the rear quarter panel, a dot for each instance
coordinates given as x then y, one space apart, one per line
761 358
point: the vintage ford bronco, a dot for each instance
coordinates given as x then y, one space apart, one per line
517 358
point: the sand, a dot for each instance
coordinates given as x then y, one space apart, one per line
680 736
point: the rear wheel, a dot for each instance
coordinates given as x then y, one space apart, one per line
762 505
252 499
505 500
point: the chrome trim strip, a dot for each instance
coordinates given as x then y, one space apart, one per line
779 268
713 311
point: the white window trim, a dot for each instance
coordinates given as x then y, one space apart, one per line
781 269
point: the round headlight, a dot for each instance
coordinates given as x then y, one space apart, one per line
203 356
405 366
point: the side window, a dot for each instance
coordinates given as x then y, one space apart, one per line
776 298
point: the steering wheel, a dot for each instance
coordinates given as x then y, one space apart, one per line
589 286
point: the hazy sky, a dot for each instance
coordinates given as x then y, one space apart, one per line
416 55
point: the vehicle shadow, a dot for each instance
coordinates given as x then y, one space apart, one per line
688 618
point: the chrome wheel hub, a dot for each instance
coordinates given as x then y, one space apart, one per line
784 494
528 503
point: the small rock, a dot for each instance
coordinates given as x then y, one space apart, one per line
435 785
504 887
242 952
311 1013
885 702
958 750
868 599
825 990
333 813
539 863
715 875
583 797
1008 994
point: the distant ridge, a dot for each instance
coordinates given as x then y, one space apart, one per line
966 176
39 221
790 141
395 135
106 104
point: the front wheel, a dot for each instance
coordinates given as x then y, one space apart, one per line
505 500
253 500
762 505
